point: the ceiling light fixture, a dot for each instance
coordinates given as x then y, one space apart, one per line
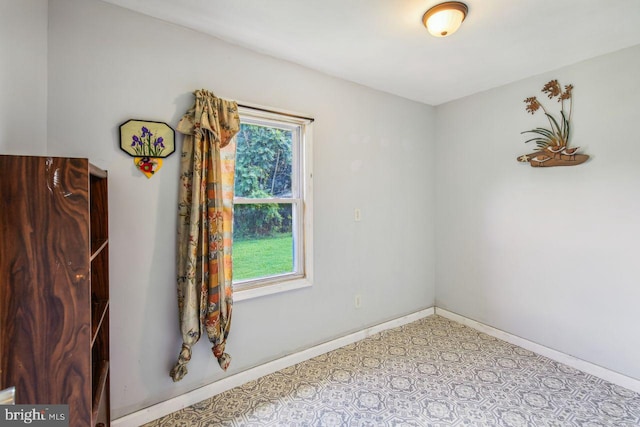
445 18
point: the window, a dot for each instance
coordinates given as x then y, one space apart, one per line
271 225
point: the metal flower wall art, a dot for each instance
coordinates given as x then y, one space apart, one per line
553 142
148 142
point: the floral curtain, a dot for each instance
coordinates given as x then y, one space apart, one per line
205 219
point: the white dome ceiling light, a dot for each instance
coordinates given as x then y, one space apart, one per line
445 18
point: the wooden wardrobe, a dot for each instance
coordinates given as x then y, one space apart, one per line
54 285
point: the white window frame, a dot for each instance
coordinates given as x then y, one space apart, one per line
302 207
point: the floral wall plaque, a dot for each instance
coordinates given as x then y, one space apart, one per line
553 142
148 143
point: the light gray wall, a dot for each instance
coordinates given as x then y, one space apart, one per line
23 76
371 150
550 255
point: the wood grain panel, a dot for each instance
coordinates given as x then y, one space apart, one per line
44 265
98 206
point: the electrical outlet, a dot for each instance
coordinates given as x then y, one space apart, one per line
357 215
357 301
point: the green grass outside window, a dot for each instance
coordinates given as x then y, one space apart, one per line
262 257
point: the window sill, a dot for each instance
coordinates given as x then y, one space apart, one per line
270 289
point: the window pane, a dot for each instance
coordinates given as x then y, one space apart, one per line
262 240
263 162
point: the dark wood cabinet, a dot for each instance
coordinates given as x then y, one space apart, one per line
54 284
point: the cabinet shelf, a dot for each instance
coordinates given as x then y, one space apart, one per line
98 314
97 172
100 390
97 245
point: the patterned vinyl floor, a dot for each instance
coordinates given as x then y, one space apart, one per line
432 372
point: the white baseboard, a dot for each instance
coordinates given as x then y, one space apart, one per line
179 402
574 362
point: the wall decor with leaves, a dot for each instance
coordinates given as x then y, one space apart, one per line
553 142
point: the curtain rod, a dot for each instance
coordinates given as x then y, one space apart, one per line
277 112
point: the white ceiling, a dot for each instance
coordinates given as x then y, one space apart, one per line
382 43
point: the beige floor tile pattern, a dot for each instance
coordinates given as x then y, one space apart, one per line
432 372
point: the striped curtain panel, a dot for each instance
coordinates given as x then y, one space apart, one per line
205 207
